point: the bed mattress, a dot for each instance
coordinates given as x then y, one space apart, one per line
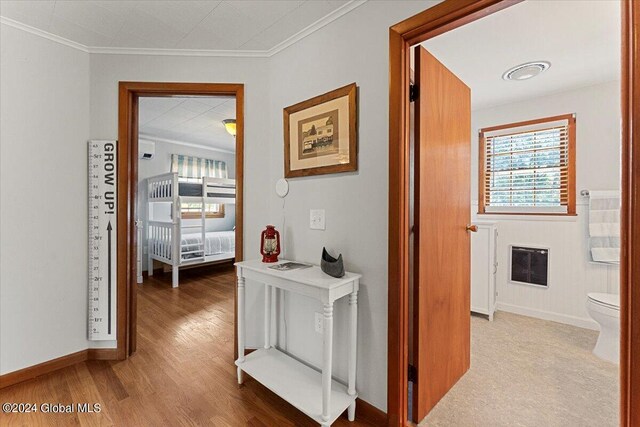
216 242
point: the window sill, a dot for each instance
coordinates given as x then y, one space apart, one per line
521 216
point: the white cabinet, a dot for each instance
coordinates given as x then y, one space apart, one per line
483 269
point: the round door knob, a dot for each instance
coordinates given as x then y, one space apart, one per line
472 228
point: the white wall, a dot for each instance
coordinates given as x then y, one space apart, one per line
354 49
598 118
161 163
44 127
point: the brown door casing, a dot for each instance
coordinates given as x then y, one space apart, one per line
129 94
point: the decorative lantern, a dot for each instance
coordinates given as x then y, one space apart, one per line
270 244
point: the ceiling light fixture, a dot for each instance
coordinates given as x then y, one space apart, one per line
526 71
230 126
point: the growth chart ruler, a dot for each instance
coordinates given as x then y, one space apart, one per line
102 239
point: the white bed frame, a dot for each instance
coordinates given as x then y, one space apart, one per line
164 237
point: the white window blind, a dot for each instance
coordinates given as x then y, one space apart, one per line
527 167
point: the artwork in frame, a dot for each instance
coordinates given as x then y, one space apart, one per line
320 134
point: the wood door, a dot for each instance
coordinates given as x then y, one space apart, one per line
441 329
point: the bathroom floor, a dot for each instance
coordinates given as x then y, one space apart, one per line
531 372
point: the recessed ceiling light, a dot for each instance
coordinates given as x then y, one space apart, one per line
526 71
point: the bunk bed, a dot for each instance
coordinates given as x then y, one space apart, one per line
181 243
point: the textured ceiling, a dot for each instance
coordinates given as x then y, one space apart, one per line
195 120
581 39
209 25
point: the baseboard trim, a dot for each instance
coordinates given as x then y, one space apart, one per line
103 354
53 365
34 371
367 412
548 315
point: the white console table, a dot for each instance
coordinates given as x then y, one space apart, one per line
312 392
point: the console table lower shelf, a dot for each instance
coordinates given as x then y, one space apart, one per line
296 383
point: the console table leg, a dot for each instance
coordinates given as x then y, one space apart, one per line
326 361
267 316
240 325
353 343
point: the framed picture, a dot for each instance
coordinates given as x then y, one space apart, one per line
320 134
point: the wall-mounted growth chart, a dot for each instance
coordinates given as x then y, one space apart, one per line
102 239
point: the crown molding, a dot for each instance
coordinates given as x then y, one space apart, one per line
152 138
322 22
238 53
178 52
43 34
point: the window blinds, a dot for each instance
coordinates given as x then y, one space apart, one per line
527 167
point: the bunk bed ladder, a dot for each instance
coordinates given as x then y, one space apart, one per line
176 210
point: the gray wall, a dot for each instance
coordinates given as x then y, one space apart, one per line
44 127
356 50
107 70
62 90
161 163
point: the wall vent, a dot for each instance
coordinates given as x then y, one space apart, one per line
146 150
530 266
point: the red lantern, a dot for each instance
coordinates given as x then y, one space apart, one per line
270 244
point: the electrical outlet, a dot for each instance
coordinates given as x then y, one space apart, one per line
319 323
316 219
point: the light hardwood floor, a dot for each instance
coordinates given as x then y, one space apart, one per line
182 373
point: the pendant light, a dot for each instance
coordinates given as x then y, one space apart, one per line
230 126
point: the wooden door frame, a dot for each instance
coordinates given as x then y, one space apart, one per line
446 16
129 94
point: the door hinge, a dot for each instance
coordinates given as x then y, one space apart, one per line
412 374
413 92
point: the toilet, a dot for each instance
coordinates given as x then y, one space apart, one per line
605 309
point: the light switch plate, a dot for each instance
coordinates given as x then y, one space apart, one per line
316 219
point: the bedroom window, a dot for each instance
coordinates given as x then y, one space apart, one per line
192 169
528 167
194 210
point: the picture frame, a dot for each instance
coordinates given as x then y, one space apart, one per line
320 134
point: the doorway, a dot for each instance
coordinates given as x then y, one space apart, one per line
428 24
129 110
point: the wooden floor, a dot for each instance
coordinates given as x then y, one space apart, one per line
182 373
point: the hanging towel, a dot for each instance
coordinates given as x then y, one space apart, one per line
604 226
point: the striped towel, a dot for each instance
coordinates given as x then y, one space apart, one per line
604 226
